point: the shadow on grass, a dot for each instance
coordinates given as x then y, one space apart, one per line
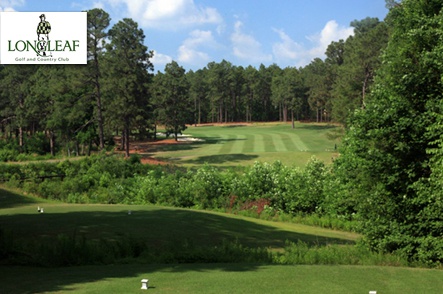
315 127
181 146
24 280
190 145
159 227
234 126
219 140
9 199
162 228
221 158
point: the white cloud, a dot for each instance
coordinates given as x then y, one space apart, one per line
160 60
8 5
168 14
190 51
246 47
331 32
289 50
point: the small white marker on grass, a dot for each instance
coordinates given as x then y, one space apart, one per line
372 292
145 284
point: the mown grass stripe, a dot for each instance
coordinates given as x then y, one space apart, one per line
249 144
289 145
238 144
259 143
227 144
297 147
280 146
214 145
298 142
269 143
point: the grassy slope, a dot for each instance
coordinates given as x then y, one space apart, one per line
155 223
242 145
158 225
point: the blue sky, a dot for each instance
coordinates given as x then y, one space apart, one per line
244 32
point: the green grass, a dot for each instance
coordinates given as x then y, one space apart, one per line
221 278
157 225
243 144
165 227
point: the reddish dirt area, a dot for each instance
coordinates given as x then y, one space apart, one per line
144 148
224 124
152 161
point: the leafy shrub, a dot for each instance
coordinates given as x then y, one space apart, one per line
303 253
37 144
8 155
209 187
7 171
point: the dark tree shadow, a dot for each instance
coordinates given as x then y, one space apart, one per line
26 280
9 199
234 126
188 145
221 158
315 127
159 227
219 140
162 228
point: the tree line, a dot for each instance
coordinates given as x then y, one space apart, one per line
75 108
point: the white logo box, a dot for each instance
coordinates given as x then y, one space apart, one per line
62 38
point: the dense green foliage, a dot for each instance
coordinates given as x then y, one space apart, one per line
110 179
391 161
360 58
273 190
127 77
171 96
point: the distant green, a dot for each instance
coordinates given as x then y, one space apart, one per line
232 145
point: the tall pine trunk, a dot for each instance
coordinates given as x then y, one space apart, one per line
52 142
100 118
285 113
99 103
122 139
126 139
20 137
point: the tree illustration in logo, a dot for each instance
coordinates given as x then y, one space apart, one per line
43 30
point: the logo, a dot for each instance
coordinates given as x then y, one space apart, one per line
43 37
43 30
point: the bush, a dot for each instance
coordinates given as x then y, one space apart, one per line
303 253
209 187
8 155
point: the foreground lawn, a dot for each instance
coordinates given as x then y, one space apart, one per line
167 227
233 145
157 225
221 278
